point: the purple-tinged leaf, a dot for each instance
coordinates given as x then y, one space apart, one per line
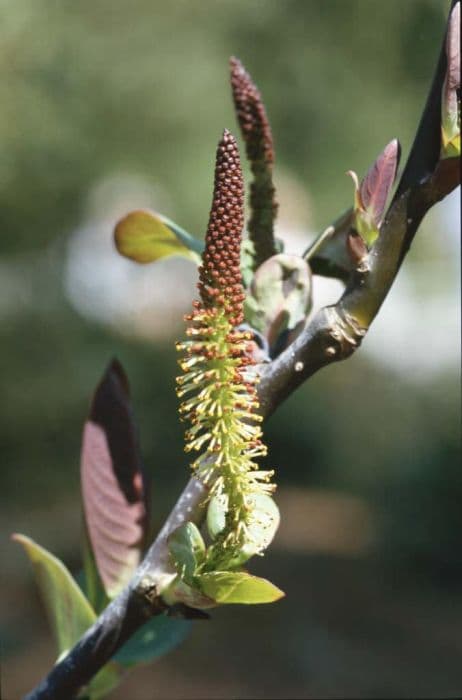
376 185
113 487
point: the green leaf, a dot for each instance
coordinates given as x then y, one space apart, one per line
216 515
263 521
69 612
238 587
261 528
145 236
91 583
190 595
280 297
156 638
187 549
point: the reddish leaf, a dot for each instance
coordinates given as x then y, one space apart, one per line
113 488
376 185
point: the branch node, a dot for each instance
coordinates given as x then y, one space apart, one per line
345 330
147 593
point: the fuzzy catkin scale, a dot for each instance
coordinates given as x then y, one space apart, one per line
221 404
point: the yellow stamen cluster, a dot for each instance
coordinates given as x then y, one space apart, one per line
218 386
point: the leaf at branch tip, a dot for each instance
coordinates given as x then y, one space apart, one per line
372 193
113 487
187 549
279 299
379 179
145 236
68 610
238 587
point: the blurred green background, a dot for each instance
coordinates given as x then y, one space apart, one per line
107 106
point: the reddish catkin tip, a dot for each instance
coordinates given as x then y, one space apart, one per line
221 259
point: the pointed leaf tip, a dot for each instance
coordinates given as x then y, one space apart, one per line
238 587
113 486
376 185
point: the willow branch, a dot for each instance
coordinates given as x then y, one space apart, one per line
333 334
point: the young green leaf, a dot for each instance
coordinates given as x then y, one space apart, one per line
145 236
279 298
156 638
113 488
190 595
68 610
261 528
238 587
187 549
91 583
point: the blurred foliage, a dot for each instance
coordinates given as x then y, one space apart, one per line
94 89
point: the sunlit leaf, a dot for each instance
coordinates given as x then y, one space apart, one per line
156 638
187 549
190 595
113 489
145 236
238 587
68 610
261 528
262 524
279 298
